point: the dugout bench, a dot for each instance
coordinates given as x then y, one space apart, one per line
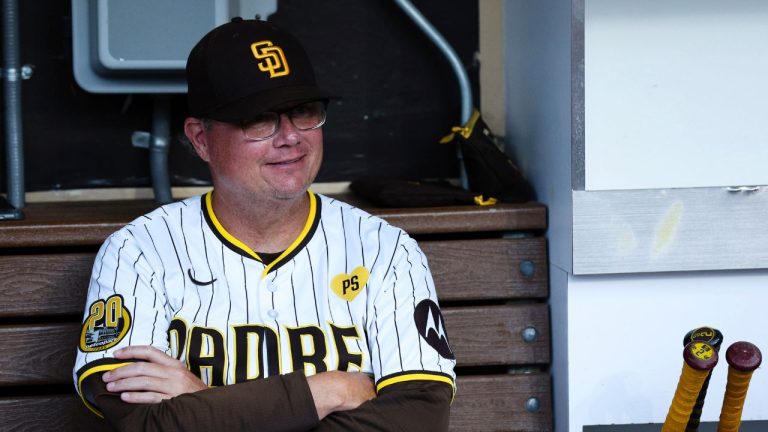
490 270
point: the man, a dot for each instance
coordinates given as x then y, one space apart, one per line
261 305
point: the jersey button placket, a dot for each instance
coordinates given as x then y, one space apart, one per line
272 288
267 290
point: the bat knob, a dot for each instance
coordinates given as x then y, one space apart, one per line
743 356
710 335
700 356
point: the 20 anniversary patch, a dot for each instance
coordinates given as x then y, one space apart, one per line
107 323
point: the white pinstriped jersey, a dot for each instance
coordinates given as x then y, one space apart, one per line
351 293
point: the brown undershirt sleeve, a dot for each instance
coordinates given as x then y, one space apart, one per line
279 403
404 407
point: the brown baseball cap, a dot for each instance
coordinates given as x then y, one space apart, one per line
245 67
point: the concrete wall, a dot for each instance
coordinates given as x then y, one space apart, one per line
616 339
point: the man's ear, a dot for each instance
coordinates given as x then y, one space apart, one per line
195 131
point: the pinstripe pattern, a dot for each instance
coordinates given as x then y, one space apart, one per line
175 264
314 289
346 242
413 294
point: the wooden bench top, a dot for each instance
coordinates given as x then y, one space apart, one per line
90 222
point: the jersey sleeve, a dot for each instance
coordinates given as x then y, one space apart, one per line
125 305
407 335
406 406
278 403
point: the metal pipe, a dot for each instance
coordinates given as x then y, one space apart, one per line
458 69
12 86
159 144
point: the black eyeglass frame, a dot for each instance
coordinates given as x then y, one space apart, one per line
278 115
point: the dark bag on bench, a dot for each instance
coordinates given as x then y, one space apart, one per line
391 192
491 174
490 171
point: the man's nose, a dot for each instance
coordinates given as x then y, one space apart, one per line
287 133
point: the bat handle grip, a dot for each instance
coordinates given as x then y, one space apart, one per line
695 419
688 388
733 402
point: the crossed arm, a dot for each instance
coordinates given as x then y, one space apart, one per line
158 392
159 377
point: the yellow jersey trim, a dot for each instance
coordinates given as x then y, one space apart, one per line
298 242
300 239
89 372
416 377
224 233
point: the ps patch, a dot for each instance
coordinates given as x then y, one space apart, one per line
107 324
431 327
348 286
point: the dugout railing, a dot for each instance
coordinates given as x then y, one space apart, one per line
489 266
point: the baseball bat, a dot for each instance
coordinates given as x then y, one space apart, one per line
699 359
743 358
713 337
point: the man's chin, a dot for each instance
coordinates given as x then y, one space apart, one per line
289 194
287 197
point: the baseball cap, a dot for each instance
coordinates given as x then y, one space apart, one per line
245 67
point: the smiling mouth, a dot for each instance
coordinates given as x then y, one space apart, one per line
287 162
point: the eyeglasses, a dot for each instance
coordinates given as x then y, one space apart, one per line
304 117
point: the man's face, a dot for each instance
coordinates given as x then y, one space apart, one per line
281 167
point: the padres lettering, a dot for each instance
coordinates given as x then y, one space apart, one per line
257 350
272 58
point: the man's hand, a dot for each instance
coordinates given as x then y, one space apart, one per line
340 391
159 377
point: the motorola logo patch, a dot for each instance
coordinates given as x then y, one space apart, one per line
431 326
